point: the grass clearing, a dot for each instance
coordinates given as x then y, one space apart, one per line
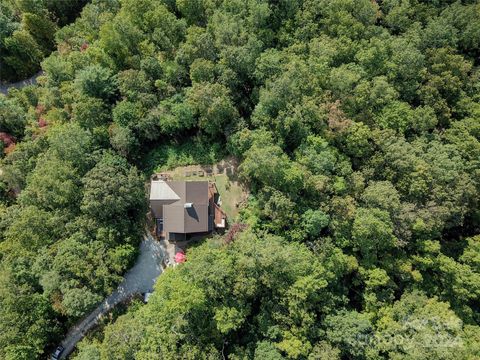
169 156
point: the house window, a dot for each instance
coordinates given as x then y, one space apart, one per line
177 237
159 226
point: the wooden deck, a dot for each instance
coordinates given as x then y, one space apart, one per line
220 217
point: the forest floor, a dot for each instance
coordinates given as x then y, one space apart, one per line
139 279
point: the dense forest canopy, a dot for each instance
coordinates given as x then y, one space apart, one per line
356 124
27 33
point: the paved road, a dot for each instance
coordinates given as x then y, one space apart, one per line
4 87
140 278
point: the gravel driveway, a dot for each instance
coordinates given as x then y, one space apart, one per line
140 278
4 87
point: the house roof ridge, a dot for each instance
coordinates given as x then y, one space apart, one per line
160 190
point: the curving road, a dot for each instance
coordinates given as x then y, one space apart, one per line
139 279
4 87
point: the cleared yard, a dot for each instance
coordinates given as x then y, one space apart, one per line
231 192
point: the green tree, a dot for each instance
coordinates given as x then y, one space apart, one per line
73 144
123 140
126 113
426 327
96 81
23 55
90 112
12 117
42 29
324 351
278 208
17 164
53 185
27 323
115 186
31 229
212 105
287 285
124 336
372 233
88 351
78 301
133 83
268 351
314 221
350 331
382 195
397 116
174 116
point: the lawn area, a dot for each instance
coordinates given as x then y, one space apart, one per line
231 194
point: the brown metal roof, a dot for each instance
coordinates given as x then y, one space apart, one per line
177 218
